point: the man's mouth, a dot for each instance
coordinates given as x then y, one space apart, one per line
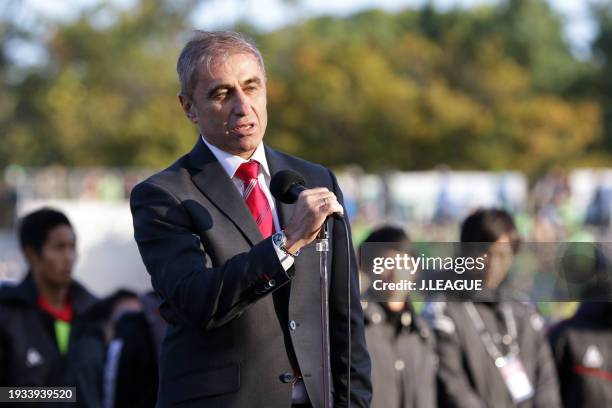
244 129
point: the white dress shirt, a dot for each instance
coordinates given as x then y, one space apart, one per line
230 164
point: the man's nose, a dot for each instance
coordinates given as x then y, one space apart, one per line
242 106
70 256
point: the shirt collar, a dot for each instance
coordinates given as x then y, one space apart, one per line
230 162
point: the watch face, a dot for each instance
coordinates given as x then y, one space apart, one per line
279 239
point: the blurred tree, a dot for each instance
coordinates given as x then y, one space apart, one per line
602 83
108 95
419 88
482 88
8 33
534 35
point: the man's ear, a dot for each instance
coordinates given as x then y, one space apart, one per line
188 107
30 255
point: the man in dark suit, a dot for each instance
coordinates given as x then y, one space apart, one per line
237 271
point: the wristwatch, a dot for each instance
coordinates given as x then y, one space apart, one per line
280 241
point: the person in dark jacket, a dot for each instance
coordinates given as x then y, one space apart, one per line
400 343
493 353
131 371
45 335
582 346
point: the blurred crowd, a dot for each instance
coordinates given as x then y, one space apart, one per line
493 353
54 331
95 183
494 349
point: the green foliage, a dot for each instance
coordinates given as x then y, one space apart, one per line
484 88
108 95
602 83
534 37
419 88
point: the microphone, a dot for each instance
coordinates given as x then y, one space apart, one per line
286 186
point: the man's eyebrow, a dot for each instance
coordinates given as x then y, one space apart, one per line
254 80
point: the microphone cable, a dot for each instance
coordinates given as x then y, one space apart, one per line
348 310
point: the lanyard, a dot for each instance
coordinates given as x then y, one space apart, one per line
508 339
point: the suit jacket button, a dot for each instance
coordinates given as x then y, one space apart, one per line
286 378
399 365
292 325
271 282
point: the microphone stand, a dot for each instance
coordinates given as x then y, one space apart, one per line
322 247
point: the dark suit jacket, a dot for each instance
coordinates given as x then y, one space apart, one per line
236 318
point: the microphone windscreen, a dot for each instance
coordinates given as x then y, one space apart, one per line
283 186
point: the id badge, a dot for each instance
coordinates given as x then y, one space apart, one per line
515 377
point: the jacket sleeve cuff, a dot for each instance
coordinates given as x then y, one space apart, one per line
285 260
276 278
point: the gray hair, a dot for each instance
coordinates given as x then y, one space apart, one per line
209 48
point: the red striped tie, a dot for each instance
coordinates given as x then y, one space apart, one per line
255 198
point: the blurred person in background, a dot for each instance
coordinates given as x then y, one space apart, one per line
582 344
598 211
582 347
110 309
555 216
134 329
400 343
493 353
46 335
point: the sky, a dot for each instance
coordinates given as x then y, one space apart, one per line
271 14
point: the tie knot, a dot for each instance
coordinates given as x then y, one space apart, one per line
248 171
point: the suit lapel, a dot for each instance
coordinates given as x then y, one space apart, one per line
212 180
304 287
276 163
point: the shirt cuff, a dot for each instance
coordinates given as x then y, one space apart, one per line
285 260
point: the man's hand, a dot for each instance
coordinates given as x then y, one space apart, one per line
312 207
